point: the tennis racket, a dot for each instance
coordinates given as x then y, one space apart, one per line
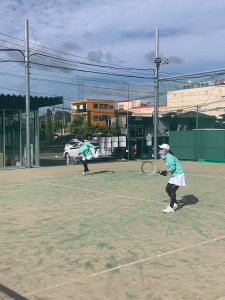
149 168
74 160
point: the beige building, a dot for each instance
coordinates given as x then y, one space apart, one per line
137 107
131 104
208 100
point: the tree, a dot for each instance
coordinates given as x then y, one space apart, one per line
76 127
115 129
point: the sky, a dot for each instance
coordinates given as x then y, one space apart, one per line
107 36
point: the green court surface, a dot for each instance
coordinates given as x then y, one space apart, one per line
104 236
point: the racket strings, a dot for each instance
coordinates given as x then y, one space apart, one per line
149 168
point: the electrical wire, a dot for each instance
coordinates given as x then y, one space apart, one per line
87 71
103 64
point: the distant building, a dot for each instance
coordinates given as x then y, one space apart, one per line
138 107
130 104
146 111
95 111
209 100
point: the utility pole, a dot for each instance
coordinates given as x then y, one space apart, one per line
128 134
27 77
158 62
156 100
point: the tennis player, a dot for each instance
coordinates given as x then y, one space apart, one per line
177 179
85 150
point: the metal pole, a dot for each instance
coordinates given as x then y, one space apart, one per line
156 100
27 76
197 111
4 152
63 119
36 131
128 138
21 147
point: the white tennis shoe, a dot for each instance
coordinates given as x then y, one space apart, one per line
175 206
168 209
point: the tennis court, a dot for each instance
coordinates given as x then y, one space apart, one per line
104 236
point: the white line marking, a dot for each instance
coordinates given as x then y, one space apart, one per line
207 211
52 207
109 195
117 171
156 256
93 191
134 198
126 265
202 175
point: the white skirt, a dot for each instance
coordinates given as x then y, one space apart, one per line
179 180
89 157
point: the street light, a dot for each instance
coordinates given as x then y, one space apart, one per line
158 62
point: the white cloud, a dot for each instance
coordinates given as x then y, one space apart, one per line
110 25
123 32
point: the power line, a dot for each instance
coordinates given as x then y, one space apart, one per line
73 55
88 86
87 71
194 74
91 64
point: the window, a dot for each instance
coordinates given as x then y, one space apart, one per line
95 105
101 105
106 106
104 118
110 106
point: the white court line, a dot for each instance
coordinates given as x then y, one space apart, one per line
93 191
127 265
110 195
156 256
92 200
139 171
54 207
207 211
128 197
202 175
9 182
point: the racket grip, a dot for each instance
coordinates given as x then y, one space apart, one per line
164 173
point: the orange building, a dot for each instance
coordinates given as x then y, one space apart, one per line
99 111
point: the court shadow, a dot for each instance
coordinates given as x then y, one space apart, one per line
101 172
187 200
